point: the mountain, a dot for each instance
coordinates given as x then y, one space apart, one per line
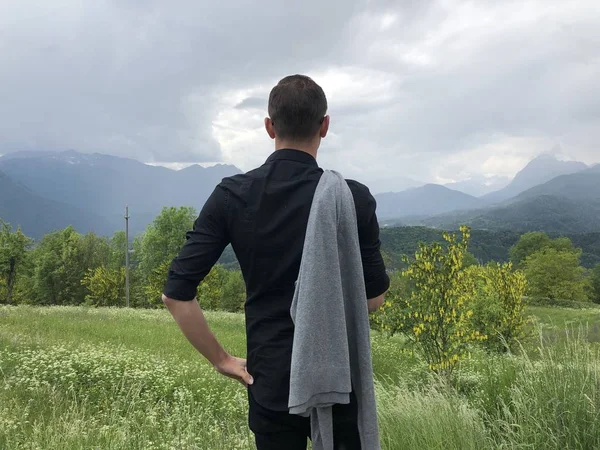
478 186
103 185
393 183
544 213
540 170
36 215
565 204
424 201
581 186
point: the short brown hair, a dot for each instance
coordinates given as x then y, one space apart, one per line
297 106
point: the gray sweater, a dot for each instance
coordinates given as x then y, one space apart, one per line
331 354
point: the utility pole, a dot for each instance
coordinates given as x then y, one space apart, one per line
127 255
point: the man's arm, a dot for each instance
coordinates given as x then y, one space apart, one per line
191 320
375 303
203 247
377 281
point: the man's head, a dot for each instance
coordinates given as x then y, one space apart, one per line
297 110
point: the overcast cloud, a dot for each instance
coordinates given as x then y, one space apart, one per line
430 90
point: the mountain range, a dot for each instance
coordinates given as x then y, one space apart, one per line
43 191
565 204
478 186
98 187
424 201
548 194
37 215
542 169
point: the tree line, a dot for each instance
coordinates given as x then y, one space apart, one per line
69 268
444 302
485 245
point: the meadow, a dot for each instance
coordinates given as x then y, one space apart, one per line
107 378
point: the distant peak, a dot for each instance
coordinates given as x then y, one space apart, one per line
432 186
545 156
550 160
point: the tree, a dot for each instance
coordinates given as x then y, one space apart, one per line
95 251
163 239
470 260
234 291
436 316
595 284
154 285
563 244
62 260
59 269
13 253
534 242
105 286
210 291
555 275
118 245
527 245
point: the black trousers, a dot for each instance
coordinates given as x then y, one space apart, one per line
279 430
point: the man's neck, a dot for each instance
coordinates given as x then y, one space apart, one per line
309 148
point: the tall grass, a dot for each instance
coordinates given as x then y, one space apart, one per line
430 418
72 378
554 402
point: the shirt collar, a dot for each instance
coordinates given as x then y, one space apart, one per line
290 154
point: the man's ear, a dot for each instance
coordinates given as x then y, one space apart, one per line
269 127
324 127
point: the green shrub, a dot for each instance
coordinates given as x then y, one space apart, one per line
436 317
556 274
210 291
498 309
106 287
234 292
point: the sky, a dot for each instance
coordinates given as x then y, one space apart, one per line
435 91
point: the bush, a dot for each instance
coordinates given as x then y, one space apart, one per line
106 286
556 274
498 309
435 317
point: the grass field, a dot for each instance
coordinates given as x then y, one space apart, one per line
79 378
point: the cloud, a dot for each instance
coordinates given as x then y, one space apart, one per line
434 90
253 103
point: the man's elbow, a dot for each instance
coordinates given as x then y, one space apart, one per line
168 302
376 303
176 306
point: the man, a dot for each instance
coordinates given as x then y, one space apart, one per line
263 214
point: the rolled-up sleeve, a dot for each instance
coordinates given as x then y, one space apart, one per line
202 249
377 280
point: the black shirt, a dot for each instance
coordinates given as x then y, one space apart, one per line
264 214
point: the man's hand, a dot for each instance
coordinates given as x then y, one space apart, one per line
190 319
235 368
